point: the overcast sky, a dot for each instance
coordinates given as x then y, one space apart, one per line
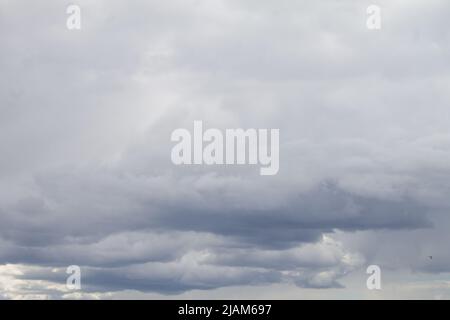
86 177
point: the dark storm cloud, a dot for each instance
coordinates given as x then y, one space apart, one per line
299 219
137 221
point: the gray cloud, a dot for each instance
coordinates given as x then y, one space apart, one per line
86 117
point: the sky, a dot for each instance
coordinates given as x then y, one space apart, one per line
86 177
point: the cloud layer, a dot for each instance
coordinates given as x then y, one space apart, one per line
85 123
